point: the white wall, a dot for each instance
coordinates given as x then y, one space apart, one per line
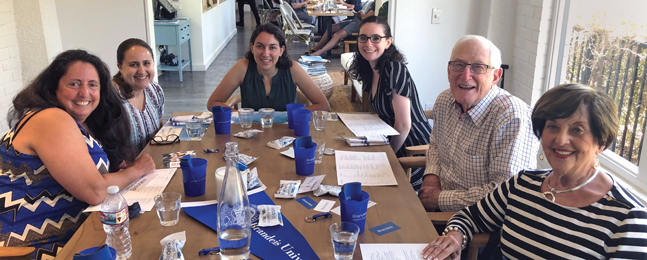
39 38
10 68
427 46
100 26
210 31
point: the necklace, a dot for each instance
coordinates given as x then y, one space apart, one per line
552 191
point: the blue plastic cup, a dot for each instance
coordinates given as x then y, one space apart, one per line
96 253
304 155
301 118
194 176
354 210
221 119
291 107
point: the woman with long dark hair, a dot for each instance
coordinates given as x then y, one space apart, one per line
145 98
68 131
382 70
267 77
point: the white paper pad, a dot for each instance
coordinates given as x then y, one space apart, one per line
337 210
325 205
311 183
168 130
392 251
371 169
144 189
366 125
289 152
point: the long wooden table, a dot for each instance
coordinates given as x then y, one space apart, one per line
397 204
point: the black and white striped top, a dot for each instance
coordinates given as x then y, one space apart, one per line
397 78
533 227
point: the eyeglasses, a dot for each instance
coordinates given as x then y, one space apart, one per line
476 68
159 140
374 38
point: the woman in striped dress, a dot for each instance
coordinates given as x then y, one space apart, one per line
145 98
574 211
381 69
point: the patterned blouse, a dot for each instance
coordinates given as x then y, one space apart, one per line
146 123
35 210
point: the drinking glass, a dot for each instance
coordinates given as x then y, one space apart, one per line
267 117
194 129
321 143
168 207
344 239
246 116
320 118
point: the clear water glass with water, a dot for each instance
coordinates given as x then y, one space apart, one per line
320 119
168 207
246 116
194 129
344 239
267 117
321 145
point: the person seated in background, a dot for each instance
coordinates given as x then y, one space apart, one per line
347 28
145 98
482 135
267 77
299 7
574 211
381 69
68 131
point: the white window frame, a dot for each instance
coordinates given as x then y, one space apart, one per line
630 175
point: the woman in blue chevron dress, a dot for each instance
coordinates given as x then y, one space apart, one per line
67 126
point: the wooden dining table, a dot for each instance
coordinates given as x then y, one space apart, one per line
397 204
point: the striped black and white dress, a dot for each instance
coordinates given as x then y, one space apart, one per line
396 77
533 227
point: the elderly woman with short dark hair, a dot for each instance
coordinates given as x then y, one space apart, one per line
573 211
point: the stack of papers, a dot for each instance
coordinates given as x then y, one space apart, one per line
313 65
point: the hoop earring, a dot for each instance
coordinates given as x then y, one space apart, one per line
541 156
597 164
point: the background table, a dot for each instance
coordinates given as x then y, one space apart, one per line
397 204
325 19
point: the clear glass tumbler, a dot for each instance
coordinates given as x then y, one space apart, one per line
168 207
344 239
320 119
267 117
246 116
194 129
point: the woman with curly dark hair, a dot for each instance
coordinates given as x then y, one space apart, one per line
69 130
267 77
145 98
381 69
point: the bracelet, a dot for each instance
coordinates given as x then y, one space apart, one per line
455 228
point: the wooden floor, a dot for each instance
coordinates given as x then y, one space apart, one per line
192 94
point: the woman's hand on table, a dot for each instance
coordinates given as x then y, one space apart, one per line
445 246
144 164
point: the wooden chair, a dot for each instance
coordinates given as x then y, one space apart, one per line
234 101
417 150
15 251
441 218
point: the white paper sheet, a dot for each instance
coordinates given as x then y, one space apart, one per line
289 152
392 251
324 205
366 125
144 189
371 169
337 210
311 183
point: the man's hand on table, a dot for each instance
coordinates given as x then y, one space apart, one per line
429 192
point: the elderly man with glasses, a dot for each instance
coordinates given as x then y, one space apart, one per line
481 136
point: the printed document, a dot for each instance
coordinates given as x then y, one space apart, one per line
370 169
144 189
366 125
392 251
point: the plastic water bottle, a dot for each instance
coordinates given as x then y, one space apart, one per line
114 216
234 215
